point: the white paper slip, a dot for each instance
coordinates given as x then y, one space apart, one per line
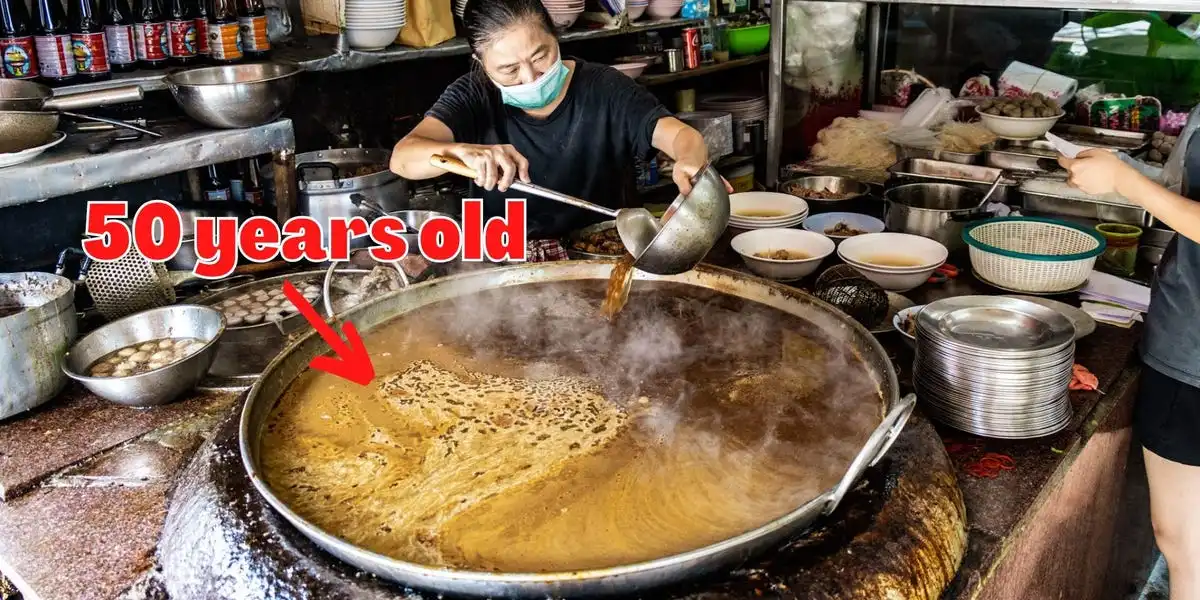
1109 288
1064 147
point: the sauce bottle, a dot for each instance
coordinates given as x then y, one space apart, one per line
224 39
252 24
119 35
202 51
150 30
18 53
88 43
181 32
52 38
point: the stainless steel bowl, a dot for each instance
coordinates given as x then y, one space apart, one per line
234 96
160 386
857 199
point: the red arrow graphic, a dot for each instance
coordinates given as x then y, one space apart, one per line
352 362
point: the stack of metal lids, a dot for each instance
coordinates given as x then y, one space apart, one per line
995 366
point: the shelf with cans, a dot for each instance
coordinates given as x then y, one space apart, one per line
82 44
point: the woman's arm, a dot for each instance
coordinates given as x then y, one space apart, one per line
497 166
1102 172
686 147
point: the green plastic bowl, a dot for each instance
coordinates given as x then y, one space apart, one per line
747 41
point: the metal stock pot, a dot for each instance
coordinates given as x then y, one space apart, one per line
327 181
938 211
630 578
36 338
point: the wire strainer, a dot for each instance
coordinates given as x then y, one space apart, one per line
128 285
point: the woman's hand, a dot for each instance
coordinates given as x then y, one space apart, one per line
497 166
683 173
1097 172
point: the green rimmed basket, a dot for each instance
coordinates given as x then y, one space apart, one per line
1032 254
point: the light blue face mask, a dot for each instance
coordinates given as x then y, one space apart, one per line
538 93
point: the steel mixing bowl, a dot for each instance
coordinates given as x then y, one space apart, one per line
162 385
234 96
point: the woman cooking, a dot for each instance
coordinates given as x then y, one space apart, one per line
1167 413
527 113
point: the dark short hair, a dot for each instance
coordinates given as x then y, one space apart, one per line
486 18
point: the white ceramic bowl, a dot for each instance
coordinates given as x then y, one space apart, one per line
826 221
773 206
633 70
371 39
661 11
882 252
895 282
564 20
1018 128
898 322
635 11
815 245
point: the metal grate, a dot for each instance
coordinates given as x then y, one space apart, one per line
128 285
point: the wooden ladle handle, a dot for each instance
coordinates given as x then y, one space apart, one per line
453 165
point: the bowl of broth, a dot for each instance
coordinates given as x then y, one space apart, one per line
898 262
782 254
753 210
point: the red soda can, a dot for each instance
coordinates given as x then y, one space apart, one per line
691 47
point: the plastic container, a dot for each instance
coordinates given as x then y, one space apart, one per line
748 41
1120 255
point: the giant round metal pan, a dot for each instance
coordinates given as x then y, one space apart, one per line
623 579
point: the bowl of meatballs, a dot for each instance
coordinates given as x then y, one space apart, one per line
150 358
1020 118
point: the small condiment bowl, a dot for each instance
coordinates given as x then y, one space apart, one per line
823 222
898 322
162 385
815 245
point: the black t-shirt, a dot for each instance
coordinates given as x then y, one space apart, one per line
585 148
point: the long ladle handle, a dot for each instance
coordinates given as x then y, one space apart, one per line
114 122
457 167
991 190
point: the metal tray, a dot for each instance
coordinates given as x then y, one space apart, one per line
962 158
1126 141
1032 155
973 176
1049 204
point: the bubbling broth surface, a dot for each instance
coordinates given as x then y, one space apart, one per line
521 431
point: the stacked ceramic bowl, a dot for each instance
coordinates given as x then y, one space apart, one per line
564 13
664 9
635 8
766 210
897 262
995 366
374 24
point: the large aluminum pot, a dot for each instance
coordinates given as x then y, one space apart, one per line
938 211
326 181
372 315
36 338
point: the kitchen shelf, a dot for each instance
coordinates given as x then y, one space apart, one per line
319 53
664 179
69 168
663 78
1095 5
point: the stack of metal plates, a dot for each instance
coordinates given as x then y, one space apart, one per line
995 366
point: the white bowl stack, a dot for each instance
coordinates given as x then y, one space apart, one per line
636 8
914 258
564 13
664 9
374 24
766 210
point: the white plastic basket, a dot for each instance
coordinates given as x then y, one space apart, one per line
1033 255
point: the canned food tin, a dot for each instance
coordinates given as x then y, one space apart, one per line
691 47
674 60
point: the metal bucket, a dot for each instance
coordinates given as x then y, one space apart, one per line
632 578
36 339
325 192
938 211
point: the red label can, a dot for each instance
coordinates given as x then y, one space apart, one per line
18 58
182 35
691 47
91 52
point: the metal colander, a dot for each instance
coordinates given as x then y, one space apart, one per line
128 285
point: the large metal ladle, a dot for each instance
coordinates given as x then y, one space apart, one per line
679 241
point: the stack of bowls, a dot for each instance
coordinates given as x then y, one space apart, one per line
805 251
564 13
745 109
995 366
374 24
632 69
766 210
664 9
636 8
897 262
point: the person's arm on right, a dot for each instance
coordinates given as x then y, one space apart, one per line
1102 172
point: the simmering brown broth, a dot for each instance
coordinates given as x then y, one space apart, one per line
760 213
520 431
892 260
